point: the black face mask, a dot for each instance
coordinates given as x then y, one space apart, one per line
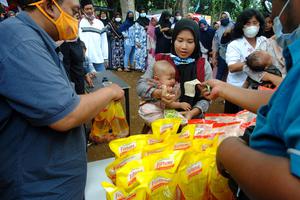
130 18
225 22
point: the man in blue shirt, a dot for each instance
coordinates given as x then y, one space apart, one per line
42 143
270 167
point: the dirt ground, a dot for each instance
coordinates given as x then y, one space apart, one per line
102 151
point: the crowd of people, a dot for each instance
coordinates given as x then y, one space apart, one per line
50 45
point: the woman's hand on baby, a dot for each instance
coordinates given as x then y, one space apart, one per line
185 106
211 89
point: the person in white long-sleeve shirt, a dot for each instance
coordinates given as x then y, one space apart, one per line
92 33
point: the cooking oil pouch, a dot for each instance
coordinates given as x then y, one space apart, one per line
166 161
181 145
112 168
159 185
202 128
117 193
126 176
221 117
229 129
218 185
155 149
162 128
126 146
193 176
206 144
187 132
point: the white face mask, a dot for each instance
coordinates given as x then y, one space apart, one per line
284 39
118 19
178 18
143 15
251 31
104 18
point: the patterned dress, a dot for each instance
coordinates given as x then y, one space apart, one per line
116 47
140 47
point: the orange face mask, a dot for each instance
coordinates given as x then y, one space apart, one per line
66 25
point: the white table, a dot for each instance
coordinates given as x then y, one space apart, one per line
95 176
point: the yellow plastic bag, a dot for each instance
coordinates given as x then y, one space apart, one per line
112 168
193 176
126 176
181 145
218 185
127 146
155 149
162 128
117 193
165 161
205 144
187 132
159 185
109 124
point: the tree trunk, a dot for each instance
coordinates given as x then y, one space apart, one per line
185 4
126 5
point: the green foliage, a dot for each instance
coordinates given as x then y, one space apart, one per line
207 7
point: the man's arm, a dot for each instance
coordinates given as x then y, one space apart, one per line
251 100
260 176
90 105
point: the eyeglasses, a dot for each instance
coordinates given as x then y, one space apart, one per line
267 5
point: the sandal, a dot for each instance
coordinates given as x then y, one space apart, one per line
127 70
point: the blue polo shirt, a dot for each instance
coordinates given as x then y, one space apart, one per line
277 130
36 162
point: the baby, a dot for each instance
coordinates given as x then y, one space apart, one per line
260 63
164 76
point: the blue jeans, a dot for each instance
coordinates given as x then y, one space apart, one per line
222 69
129 56
99 67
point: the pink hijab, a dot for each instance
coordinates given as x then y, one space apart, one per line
151 28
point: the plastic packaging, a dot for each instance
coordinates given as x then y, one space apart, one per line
193 175
159 185
117 193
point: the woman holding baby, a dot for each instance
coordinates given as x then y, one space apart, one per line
247 35
189 67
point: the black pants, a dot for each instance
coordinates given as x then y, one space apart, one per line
231 108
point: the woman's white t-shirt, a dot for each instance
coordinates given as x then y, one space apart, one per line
237 51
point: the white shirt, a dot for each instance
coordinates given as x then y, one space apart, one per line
96 44
237 51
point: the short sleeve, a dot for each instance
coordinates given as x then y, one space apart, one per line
292 138
35 86
233 54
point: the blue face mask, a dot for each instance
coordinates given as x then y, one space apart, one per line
284 39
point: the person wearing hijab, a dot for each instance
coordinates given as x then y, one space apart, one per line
141 27
189 65
91 33
103 17
128 32
116 55
177 16
151 41
163 33
219 48
206 37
